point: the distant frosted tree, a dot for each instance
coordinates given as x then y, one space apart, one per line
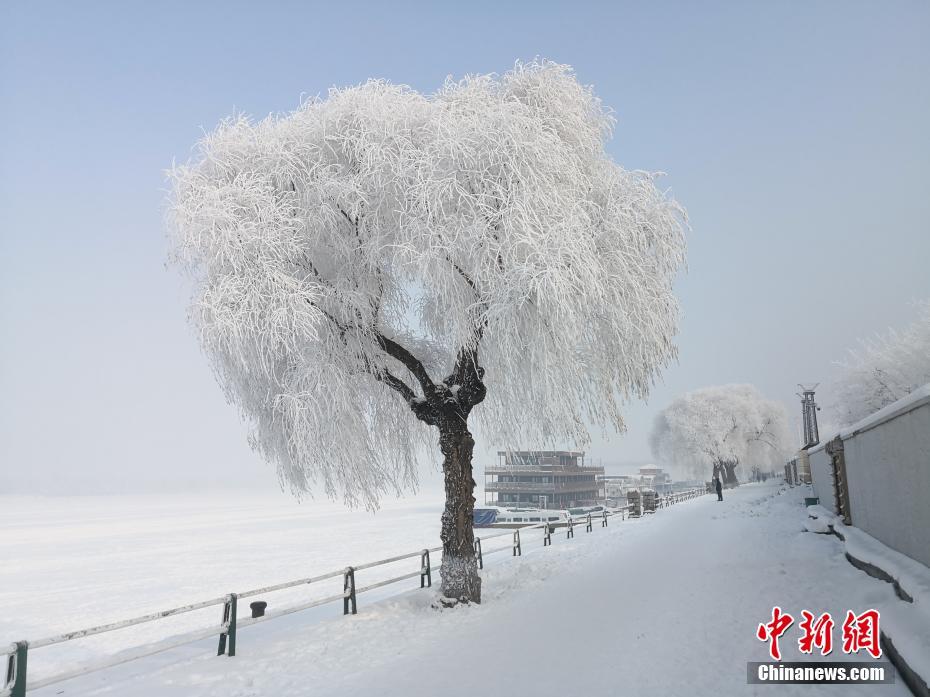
714 429
372 267
884 369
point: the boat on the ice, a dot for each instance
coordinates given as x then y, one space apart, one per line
500 517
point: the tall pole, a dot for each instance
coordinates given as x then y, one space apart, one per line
809 411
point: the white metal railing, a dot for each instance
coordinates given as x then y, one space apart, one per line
13 681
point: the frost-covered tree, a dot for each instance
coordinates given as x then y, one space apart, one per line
884 369
372 267
714 429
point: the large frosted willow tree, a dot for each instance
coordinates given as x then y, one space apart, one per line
714 429
373 266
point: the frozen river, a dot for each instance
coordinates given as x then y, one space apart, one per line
67 563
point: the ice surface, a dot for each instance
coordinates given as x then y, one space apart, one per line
669 603
75 562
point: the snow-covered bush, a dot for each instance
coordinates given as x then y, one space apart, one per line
884 369
712 430
380 262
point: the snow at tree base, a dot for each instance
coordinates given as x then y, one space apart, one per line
659 603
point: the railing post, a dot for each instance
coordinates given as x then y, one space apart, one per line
604 519
588 527
229 626
478 553
15 679
570 532
348 591
517 550
425 570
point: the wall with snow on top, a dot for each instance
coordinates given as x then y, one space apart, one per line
888 467
888 470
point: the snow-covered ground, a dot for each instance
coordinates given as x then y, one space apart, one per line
67 563
664 605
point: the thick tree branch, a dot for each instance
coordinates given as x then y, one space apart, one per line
394 382
421 408
410 362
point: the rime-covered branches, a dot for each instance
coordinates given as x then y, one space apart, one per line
380 262
884 369
714 429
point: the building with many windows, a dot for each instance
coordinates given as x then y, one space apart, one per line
541 479
616 486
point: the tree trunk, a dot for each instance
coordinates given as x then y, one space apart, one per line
459 570
729 470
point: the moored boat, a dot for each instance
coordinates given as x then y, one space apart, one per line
499 517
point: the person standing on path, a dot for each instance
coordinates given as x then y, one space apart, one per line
719 487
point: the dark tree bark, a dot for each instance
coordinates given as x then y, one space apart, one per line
459 570
729 471
726 471
445 404
458 394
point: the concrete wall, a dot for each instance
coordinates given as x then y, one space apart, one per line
888 468
822 477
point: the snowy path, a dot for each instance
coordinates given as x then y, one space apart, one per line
666 605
